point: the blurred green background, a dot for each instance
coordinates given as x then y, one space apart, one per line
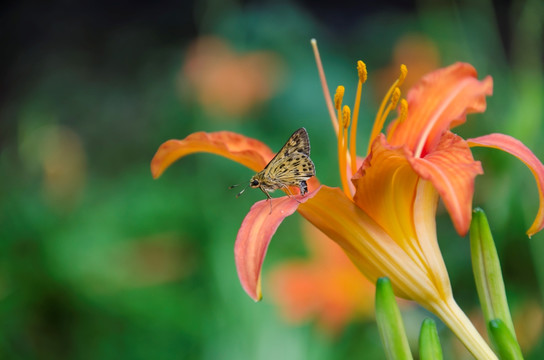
100 261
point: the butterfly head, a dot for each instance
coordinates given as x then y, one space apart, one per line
254 182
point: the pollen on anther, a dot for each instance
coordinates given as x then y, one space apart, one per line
338 96
395 97
346 116
403 110
361 71
403 74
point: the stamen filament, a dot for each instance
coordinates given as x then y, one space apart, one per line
403 114
338 97
342 149
378 124
361 70
392 104
324 86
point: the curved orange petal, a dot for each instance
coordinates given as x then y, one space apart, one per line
519 150
385 187
254 236
452 169
244 150
439 102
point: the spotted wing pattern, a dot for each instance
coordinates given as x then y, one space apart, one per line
292 165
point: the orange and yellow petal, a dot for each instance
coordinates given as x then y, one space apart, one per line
390 191
385 187
518 149
439 102
254 237
424 215
452 169
367 244
242 149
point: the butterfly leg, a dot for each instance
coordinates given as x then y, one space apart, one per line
289 193
268 198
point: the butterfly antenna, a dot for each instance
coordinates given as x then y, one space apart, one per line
241 192
233 186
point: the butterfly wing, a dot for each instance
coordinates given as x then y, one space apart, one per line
292 164
299 142
293 169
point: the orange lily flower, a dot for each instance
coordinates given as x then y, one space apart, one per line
385 218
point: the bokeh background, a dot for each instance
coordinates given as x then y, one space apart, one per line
100 261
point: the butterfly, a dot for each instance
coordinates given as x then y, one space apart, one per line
291 166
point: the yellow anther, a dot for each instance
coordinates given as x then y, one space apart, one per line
403 112
346 117
361 70
338 96
403 74
395 98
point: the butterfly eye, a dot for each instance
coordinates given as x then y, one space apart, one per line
254 182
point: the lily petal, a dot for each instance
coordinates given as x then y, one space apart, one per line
519 150
452 169
385 187
440 101
244 150
254 236
391 192
368 245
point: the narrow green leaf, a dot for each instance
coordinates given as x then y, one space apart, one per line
390 322
487 272
429 343
507 346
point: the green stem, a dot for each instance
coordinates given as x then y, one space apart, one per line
452 315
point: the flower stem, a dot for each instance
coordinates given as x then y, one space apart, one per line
452 315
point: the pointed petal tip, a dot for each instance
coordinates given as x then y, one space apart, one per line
254 237
518 149
452 170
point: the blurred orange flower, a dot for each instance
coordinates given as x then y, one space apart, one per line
326 286
418 52
227 83
59 153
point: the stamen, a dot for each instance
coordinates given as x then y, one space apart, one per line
403 114
338 97
346 117
403 74
324 86
361 71
392 104
395 98
342 149
403 110
378 124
